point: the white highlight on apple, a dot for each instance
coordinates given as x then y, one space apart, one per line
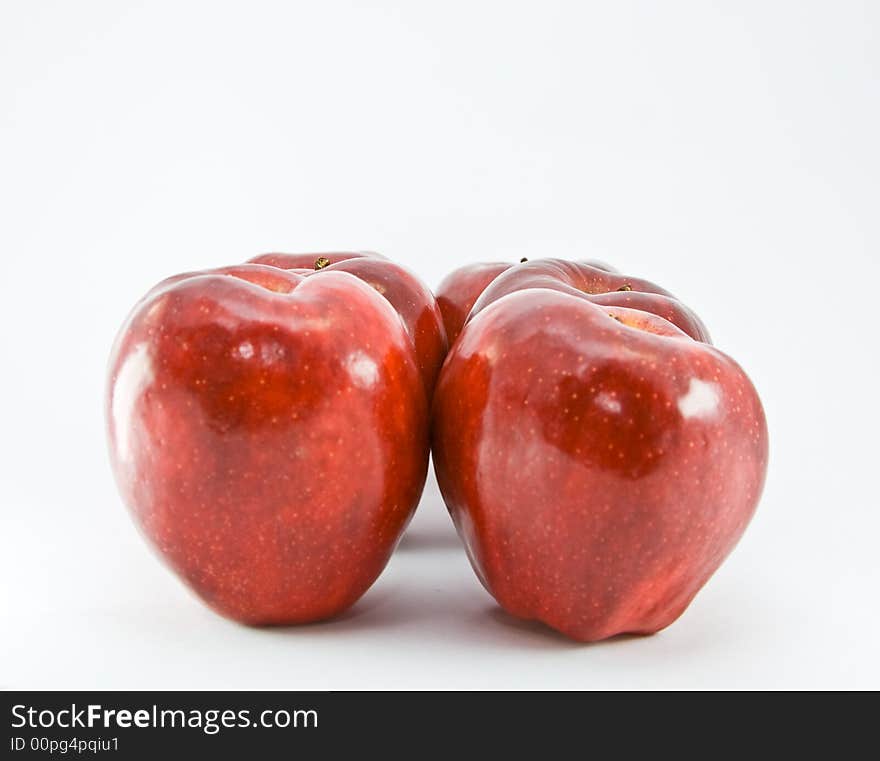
701 399
608 403
362 369
134 376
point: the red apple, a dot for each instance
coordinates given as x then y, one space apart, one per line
268 431
599 462
459 290
595 282
411 298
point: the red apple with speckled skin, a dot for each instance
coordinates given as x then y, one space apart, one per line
459 291
268 431
598 461
411 298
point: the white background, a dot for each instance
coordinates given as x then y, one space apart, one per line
728 151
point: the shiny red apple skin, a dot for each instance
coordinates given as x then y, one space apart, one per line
268 431
466 291
413 300
459 290
599 464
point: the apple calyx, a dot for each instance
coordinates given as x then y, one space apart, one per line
321 262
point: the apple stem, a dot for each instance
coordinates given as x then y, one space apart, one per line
321 262
625 287
523 260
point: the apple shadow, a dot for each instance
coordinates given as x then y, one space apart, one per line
427 538
487 625
541 636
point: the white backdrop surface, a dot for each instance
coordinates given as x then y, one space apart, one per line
727 150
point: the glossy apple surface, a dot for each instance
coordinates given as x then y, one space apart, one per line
413 300
462 289
459 290
599 463
268 431
597 283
